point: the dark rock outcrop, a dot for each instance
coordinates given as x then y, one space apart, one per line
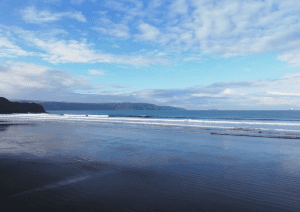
7 107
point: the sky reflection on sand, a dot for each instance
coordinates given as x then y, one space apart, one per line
142 146
237 165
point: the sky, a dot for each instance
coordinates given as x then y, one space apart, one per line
195 54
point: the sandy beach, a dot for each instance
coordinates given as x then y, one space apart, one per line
150 105
74 167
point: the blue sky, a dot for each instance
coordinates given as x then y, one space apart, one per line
196 54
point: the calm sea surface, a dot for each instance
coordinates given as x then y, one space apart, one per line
152 160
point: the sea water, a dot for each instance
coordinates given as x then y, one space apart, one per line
273 124
158 160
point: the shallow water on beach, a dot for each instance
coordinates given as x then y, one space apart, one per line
153 168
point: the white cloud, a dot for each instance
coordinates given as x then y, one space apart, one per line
130 8
149 33
18 79
8 49
206 95
291 75
277 93
234 28
225 93
153 34
73 51
275 101
107 27
32 15
96 72
124 13
62 51
263 94
179 7
55 50
31 81
226 28
229 91
292 57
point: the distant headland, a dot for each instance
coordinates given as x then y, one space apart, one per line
7 107
99 106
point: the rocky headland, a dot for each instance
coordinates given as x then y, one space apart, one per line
7 107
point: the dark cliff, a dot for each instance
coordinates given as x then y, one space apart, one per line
7 107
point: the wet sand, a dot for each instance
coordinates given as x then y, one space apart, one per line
61 186
132 175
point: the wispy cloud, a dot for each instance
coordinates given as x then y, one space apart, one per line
107 27
118 25
35 16
55 50
72 51
8 49
226 28
96 72
278 93
292 57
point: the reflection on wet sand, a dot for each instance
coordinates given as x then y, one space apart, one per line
72 167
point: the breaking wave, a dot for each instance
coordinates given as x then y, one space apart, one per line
254 128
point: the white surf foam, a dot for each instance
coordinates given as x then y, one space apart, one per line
214 124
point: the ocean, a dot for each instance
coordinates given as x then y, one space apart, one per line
272 124
151 160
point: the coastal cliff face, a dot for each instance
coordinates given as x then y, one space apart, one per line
7 107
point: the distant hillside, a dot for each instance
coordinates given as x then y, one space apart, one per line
7 107
100 106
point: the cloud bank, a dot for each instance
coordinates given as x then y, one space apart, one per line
27 80
30 81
